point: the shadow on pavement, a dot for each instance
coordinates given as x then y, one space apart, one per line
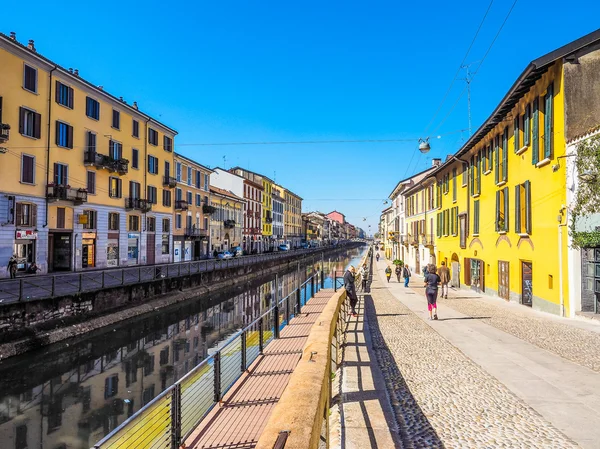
466 318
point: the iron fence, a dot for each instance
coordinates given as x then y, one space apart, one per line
31 288
170 418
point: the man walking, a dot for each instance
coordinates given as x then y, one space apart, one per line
12 266
351 289
444 274
406 273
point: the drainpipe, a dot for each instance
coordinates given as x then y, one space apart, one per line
48 141
145 193
560 259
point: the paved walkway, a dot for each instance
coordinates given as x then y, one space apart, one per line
500 375
239 421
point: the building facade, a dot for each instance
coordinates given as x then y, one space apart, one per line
191 209
267 217
80 178
253 209
292 218
278 215
226 222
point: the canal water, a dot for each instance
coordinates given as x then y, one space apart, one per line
71 394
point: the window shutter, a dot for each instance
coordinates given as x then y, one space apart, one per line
526 125
548 116
37 125
119 188
57 132
506 210
528 207
21 121
497 210
496 160
70 136
33 208
71 95
516 134
467 271
518 208
472 177
57 91
505 156
18 214
536 143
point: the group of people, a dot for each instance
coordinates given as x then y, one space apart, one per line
13 266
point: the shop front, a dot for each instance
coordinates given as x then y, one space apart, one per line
24 248
112 250
60 247
133 248
88 250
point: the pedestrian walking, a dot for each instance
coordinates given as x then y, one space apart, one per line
398 272
444 274
432 280
425 271
377 257
12 266
364 274
349 278
388 273
406 273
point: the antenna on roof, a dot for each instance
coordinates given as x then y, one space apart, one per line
224 162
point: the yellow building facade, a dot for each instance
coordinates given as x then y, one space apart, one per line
267 212
82 171
292 217
420 225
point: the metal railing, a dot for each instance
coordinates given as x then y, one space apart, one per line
167 420
56 192
36 287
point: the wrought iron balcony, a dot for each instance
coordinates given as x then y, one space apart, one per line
138 204
169 181
403 240
4 132
98 160
196 232
229 224
181 205
428 240
207 209
413 240
66 193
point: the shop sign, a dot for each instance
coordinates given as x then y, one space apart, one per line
26 235
132 236
88 235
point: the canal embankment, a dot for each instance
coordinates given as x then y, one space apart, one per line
34 323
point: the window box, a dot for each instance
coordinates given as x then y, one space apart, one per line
543 162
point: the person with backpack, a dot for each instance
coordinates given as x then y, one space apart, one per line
388 273
12 267
398 272
349 278
432 280
406 273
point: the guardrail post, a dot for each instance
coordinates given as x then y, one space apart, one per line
79 289
261 337
322 270
217 368
244 344
53 285
287 310
102 279
21 290
176 417
298 300
276 321
312 287
122 277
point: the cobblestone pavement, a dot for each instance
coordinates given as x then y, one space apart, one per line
440 397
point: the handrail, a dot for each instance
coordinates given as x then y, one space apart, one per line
189 394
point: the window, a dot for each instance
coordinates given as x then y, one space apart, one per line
178 171
517 133
151 224
523 208
21 437
91 219
168 143
60 174
30 123
464 174
111 386
64 135
501 151
548 121
64 95
152 195
167 168
178 221
26 214
135 128
502 210
116 119
90 144
134 189
92 108
535 139
135 158
206 182
526 125
91 182
114 187
115 150
198 179
189 176
454 174
166 225
30 78
152 136
134 223
60 217
153 165
454 218
113 221
189 198
166 198
198 200
476 217
27 169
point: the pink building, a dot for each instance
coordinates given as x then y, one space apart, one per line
337 216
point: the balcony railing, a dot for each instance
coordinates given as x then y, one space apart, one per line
4 132
229 224
413 240
208 209
98 160
66 193
181 205
196 232
169 181
428 240
268 220
138 204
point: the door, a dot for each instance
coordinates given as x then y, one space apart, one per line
477 275
462 223
526 284
590 277
61 251
417 263
503 280
455 280
151 249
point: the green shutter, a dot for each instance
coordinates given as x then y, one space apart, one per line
516 134
535 138
528 207
437 225
518 208
548 117
506 215
527 125
472 177
479 173
497 210
496 161
505 155
476 217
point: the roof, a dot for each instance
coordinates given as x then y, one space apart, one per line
227 193
405 180
250 171
66 73
181 156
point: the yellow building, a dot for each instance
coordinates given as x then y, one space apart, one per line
267 211
191 226
502 219
226 222
292 218
82 171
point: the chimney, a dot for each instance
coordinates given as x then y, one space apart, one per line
101 87
31 45
436 162
135 106
13 35
70 69
76 72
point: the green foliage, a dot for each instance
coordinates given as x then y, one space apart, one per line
398 262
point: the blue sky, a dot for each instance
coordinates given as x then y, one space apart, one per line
238 71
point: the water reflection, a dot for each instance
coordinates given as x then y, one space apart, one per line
70 395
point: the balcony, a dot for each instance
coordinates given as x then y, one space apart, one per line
181 205
268 220
169 181
413 240
229 224
138 204
195 232
428 240
4 132
102 161
66 193
208 209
